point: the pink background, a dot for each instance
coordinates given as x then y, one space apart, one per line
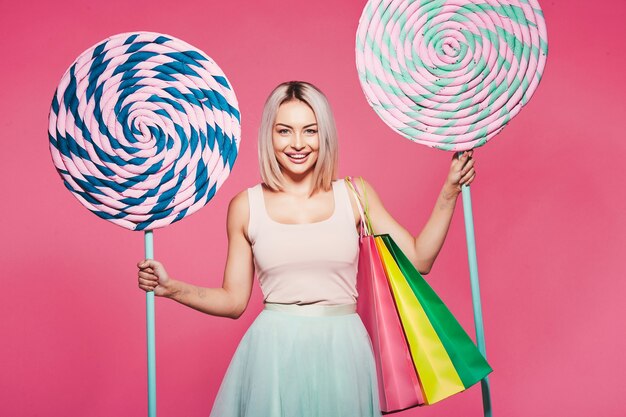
549 211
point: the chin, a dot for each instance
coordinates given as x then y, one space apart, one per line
299 171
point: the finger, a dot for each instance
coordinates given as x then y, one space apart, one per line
147 263
147 287
456 158
468 165
143 264
465 156
465 175
467 178
147 282
457 164
150 279
147 276
460 163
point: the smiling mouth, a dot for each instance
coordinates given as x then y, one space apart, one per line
298 157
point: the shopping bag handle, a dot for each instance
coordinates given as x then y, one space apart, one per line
361 201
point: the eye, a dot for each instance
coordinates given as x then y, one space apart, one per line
310 131
283 131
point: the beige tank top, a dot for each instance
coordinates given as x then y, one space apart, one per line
312 263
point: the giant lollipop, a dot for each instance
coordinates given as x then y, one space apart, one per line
450 74
144 129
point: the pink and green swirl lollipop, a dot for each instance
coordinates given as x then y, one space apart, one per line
450 74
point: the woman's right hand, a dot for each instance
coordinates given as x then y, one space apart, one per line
152 276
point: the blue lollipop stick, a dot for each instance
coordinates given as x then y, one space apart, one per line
473 267
150 332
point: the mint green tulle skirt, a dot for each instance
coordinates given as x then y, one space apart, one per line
301 361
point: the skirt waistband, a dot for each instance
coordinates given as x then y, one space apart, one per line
313 309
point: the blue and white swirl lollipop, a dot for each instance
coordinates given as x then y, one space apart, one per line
144 129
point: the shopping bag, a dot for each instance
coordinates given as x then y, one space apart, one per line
443 356
398 384
470 365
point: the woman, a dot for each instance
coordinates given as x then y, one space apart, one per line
307 353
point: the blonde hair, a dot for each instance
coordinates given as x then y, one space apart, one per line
326 166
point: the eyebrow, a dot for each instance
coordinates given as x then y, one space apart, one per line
290 127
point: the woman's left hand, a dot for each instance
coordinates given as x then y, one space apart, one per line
461 172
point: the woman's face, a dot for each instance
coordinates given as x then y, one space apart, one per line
295 138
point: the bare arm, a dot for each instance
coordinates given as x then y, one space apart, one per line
232 298
423 249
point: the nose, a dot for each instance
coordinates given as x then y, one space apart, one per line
297 141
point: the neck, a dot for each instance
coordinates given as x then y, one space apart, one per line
299 185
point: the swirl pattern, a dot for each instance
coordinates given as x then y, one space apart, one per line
144 129
450 74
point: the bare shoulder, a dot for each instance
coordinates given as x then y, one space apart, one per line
239 200
239 212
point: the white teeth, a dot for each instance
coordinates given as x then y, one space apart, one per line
297 156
